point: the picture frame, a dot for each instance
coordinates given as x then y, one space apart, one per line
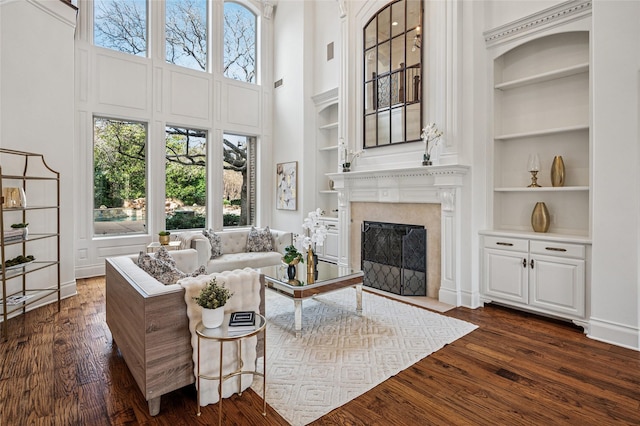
287 186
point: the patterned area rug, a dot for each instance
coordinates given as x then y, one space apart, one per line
341 355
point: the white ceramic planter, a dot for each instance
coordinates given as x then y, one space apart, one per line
212 318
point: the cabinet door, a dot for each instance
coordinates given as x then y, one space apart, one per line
505 275
557 284
331 247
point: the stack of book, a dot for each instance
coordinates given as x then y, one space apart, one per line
13 235
242 322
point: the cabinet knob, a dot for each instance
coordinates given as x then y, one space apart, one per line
531 263
524 262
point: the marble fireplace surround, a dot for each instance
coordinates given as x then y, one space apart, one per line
388 195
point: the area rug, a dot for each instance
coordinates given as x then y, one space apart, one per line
340 354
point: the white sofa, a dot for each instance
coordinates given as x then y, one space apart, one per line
234 245
148 322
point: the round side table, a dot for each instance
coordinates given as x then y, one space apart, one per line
224 334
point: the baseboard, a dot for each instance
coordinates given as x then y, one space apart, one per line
89 271
615 334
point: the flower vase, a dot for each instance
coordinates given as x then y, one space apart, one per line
212 318
311 266
426 160
346 167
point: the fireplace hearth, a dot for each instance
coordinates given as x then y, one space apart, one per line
393 257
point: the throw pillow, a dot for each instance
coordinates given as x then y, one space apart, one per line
163 255
259 240
215 241
164 272
161 271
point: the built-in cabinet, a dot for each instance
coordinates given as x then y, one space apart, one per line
329 250
545 276
30 255
541 106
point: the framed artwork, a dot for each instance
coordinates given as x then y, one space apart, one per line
286 185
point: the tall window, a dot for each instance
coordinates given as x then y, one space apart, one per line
119 177
186 178
239 191
121 25
239 43
393 74
186 33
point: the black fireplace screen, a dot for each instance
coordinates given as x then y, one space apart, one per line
394 257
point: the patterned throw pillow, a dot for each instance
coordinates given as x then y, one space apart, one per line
165 272
215 241
163 255
259 240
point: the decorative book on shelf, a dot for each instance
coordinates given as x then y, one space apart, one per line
242 321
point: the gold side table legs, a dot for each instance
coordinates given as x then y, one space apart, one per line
222 335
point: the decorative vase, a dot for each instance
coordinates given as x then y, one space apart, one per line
540 217
311 267
164 239
25 233
557 171
426 160
346 167
212 318
291 271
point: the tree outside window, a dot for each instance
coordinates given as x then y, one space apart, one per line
239 43
186 178
239 180
121 25
186 33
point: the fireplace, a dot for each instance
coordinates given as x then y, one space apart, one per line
406 195
394 257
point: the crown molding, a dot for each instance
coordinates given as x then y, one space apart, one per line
554 16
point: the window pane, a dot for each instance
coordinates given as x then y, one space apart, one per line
370 34
384 124
121 25
413 13
397 18
239 180
370 130
239 43
413 122
186 33
384 58
185 178
397 125
119 177
384 24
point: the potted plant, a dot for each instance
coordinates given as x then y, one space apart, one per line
212 299
292 257
24 227
163 237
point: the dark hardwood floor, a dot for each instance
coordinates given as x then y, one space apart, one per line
516 369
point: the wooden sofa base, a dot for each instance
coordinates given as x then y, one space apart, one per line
152 334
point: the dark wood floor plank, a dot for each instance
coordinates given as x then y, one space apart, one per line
516 369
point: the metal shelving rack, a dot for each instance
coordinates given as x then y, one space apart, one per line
27 180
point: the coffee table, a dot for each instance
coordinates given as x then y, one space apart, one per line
331 277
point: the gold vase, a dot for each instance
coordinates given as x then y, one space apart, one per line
311 275
557 171
540 217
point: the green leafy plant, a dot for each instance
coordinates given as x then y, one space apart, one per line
291 254
19 225
213 295
164 233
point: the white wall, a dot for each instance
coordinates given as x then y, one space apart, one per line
36 106
616 196
326 19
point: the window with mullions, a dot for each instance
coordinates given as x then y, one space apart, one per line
121 25
392 64
119 177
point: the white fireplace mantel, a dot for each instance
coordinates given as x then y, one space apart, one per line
441 184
